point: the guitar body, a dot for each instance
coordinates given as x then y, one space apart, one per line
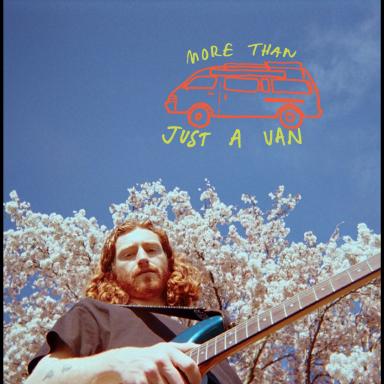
201 332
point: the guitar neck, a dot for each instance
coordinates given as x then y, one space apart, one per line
217 349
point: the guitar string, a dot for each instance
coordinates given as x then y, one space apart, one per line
245 324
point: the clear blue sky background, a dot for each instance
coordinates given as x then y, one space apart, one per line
85 83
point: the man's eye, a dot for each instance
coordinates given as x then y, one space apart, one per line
153 250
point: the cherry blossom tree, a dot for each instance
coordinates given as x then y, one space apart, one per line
248 265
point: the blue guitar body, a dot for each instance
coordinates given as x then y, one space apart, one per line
201 332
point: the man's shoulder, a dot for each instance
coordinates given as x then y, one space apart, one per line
88 302
98 306
94 305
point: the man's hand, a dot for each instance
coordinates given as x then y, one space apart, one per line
163 363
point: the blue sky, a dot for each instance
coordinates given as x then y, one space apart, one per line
85 83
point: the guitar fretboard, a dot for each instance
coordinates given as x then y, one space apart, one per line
318 293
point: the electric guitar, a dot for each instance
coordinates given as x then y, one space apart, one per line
217 345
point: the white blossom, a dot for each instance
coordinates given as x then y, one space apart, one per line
354 366
247 264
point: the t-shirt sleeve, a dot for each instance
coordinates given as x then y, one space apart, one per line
77 329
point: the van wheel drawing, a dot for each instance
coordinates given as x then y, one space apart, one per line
291 117
199 115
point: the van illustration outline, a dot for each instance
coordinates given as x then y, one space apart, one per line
282 90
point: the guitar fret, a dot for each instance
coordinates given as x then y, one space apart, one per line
324 289
360 270
264 321
375 261
369 266
349 275
285 311
333 288
293 306
270 315
340 280
215 346
298 299
192 354
246 329
201 352
314 291
253 326
258 323
278 313
231 334
310 297
210 349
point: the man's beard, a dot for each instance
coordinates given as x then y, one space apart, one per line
145 285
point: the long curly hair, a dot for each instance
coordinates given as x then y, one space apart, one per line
183 285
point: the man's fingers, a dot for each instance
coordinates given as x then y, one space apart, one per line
171 375
187 366
148 373
155 377
184 347
169 364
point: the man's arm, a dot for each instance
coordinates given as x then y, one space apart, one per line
162 363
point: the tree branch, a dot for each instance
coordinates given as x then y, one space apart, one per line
308 363
251 376
278 359
314 339
214 286
320 375
218 298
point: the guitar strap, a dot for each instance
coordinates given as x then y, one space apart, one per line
192 313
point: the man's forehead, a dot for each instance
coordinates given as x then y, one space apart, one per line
135 237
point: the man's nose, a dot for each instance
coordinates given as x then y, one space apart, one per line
142 258
143 263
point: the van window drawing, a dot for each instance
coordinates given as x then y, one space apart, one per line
275 90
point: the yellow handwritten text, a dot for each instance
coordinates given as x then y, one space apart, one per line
213 51
236 137
280 137
184 135
265 50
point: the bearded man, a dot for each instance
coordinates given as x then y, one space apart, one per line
100 340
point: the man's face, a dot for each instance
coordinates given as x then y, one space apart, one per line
141 265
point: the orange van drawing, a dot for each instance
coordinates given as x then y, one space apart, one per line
276 90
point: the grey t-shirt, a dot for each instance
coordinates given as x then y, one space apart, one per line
92 326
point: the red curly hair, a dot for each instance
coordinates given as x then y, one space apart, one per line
183 285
